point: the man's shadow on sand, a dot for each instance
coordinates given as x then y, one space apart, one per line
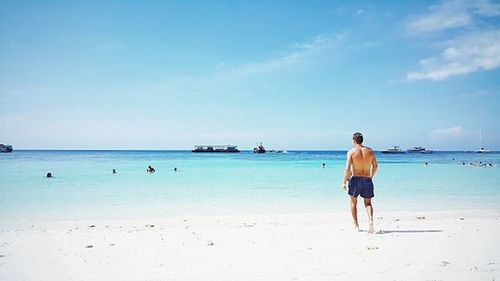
404 231
408 231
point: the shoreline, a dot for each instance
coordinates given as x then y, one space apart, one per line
486 212
336 213
462 245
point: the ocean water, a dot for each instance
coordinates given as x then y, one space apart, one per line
83 186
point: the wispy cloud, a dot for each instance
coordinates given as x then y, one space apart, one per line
462 55
297 54
486 8
452 14
456 131
448 14
475 94
474 47
230 77
110 47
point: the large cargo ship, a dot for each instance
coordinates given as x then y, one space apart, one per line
216 148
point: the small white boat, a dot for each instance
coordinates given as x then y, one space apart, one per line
482 149
393 150
419 149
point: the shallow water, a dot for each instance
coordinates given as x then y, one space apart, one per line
83 186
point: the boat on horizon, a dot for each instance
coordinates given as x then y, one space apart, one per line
259 149
419 149
6 148
482 149
277 151
393 150
216 148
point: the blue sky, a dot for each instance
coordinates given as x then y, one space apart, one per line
292 74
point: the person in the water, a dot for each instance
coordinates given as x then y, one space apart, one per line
361 166
49 175
150 169
114 171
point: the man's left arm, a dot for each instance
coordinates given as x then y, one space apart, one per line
347 172
374 165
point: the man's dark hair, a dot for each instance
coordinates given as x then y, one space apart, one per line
358 137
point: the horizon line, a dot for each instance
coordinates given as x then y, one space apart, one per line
163 149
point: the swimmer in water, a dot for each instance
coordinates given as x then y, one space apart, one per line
49 175
150 169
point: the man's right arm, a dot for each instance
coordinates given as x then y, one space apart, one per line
347 172
374 165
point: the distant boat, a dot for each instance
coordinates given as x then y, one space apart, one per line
5 148
216 148
393 150
259 149
419 149
482 149
277 151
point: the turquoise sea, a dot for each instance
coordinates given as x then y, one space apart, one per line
83 186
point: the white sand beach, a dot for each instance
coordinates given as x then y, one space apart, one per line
458 245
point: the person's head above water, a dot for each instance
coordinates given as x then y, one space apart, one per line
357 138
49 174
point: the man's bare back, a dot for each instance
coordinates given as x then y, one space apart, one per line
362 159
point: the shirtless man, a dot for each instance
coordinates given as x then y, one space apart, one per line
360 169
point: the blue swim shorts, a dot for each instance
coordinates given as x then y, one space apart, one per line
361 186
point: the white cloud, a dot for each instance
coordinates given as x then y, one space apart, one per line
448 14
462 55
452 14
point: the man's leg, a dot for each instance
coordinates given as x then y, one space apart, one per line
354 212
369 210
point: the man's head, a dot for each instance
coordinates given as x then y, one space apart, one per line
357 138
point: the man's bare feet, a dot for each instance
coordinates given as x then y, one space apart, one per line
356 227
370 228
